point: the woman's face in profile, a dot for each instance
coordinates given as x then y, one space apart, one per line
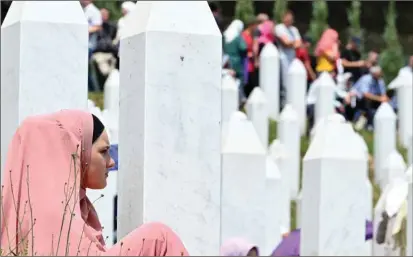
100 163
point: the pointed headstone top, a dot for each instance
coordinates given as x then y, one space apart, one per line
257 96
288 113
228 83
336 142
325 80
297 67
269 50
395 161
277 149
113 79
272 171
385 111
395 83
69 12
182 17
241 137
361 142
238 116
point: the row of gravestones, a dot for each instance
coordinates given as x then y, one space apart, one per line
242 139
175 166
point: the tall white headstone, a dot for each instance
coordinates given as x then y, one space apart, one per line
274 198
410 150
324 105
229 97
269 77
296 91
111 104
279 154
384 137
404 94
257 111
333 181
409 251
288 129
44 62
320 125
229 102
243 167
170 99
393 167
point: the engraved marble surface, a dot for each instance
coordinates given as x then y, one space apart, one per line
42 73
170 114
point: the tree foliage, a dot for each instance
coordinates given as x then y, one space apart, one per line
280 6
244 10
112 6
392 58
353 17
319 20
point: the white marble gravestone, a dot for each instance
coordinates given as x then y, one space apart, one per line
384 138
404 94
324 105
274 199
111 104
409 251
44 65
269 78
333 182
279 154
243 193
169 122
393 167
288 129
257 112
296 91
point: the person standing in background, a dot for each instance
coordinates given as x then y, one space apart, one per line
236 49
94 18
250 39
327 52
289 39
351 59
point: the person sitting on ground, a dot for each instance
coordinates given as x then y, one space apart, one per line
238 247
327 52
51 162
372 60
288 40
370 93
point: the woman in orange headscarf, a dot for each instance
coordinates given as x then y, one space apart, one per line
51 161
327 51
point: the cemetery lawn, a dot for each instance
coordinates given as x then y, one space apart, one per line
368 137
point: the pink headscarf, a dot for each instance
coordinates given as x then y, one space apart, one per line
45 161
236 247
267 34
327 42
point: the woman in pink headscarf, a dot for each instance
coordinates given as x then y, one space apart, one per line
238 247
327 51
51 162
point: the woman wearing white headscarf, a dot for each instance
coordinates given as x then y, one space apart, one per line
127 7
236 49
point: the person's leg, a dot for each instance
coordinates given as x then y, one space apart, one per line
310 116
